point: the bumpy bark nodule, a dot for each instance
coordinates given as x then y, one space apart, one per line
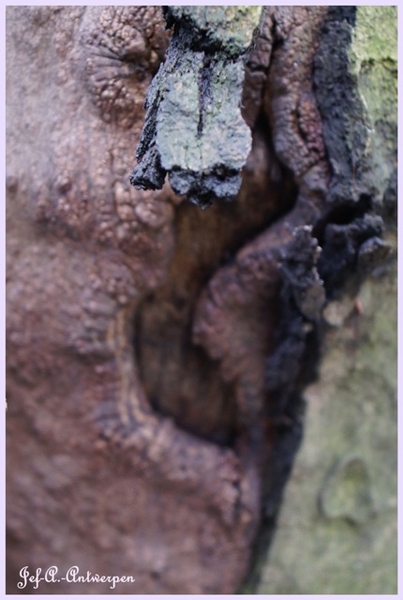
157 353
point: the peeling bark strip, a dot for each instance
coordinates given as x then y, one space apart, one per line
194 130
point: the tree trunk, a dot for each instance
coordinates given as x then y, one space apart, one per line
158 354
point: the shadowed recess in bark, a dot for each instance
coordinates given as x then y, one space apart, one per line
179 377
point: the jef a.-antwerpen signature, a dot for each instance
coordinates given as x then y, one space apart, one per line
72 575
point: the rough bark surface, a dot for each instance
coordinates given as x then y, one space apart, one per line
193 128
340 504
156 353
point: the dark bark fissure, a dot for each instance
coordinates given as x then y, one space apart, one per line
308 279
204 83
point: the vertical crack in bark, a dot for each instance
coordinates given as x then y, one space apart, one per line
204 89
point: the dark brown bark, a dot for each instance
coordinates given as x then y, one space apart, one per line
156 352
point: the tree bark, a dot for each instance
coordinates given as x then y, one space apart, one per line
158 354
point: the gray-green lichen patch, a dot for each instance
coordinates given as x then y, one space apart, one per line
194 130
346 492
373 61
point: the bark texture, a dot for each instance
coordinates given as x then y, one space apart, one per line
193 127
340 504
157 354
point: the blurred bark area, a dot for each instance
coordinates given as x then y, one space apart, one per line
340 505
157 354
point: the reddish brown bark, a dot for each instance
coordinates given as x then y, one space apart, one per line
140 423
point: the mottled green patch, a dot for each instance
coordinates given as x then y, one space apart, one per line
375 33
346 493
373 61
